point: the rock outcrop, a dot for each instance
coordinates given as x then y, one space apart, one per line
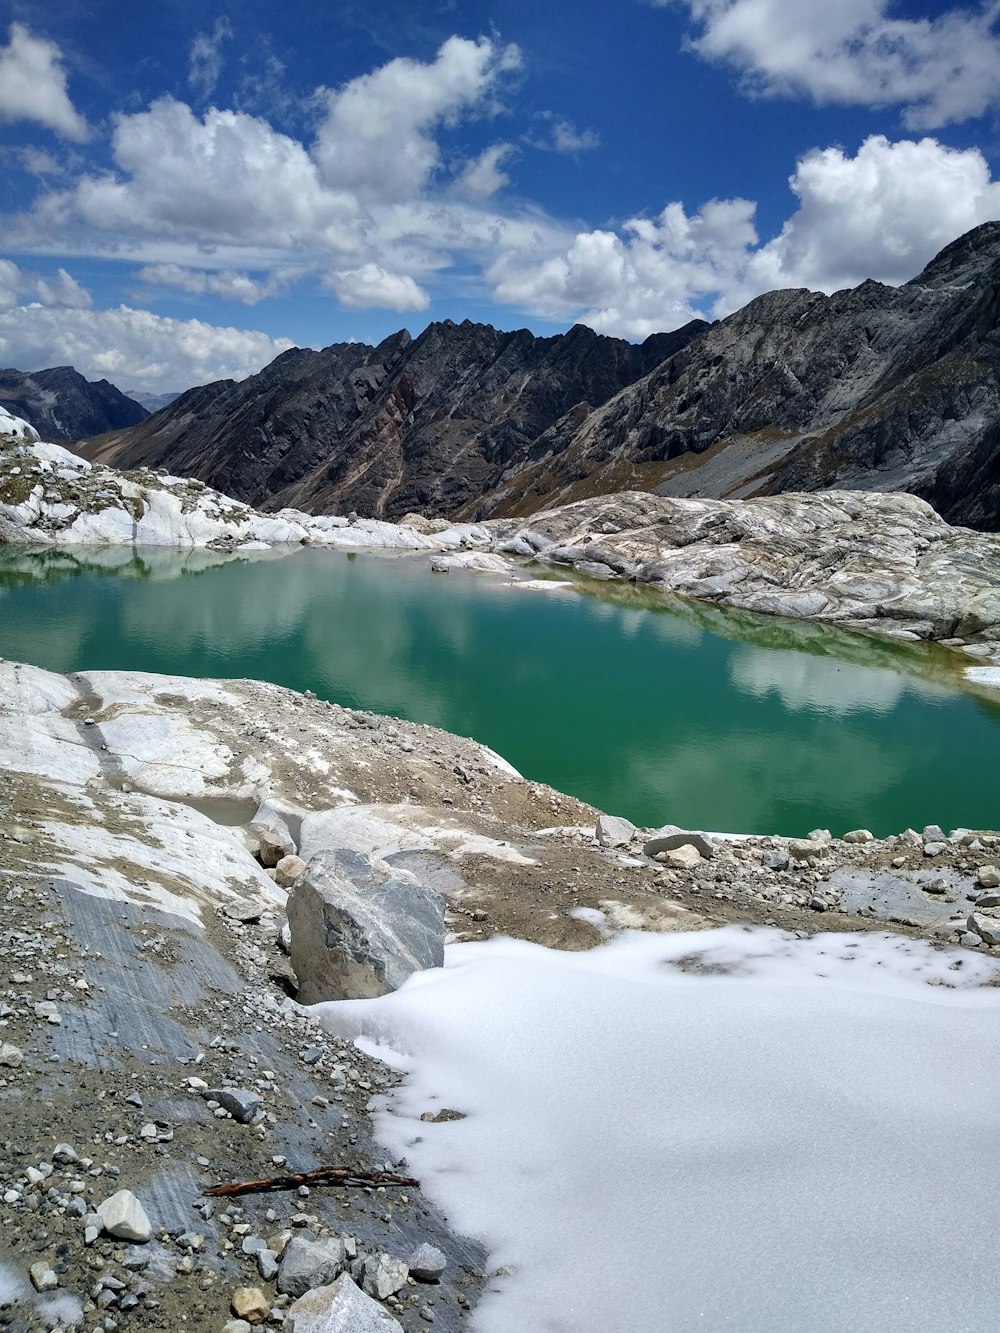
62 405
887 564
427 423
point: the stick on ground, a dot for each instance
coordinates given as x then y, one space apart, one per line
322 1175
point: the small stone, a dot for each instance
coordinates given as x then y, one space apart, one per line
124 1217
246 910
934 848
859 835
776 859
251 1304
427 1263
936 886
267 1265
987 899
64 1153
288 870
42 1277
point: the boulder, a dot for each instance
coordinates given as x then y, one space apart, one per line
306 1264
123 1216
669 839
251 1304
989 877
426 1263
340 1308
805 849
986 927
684 857
613 831
359 927
382 1275
241 1103
859 835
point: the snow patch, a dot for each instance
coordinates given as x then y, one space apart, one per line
724 1129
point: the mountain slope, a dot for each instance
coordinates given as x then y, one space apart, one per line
62 405
875 388
429 423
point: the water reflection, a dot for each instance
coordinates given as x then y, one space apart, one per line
655 708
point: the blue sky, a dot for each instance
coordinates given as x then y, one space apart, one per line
188 190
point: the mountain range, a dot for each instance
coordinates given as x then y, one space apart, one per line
871 388
62 405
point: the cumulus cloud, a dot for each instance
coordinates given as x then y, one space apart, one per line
130 346
228 283
940 70
648 276
483 177
62 290
563 137
370 286
33 85
377 138
205 59
883 214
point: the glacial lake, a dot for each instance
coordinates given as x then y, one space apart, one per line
649 707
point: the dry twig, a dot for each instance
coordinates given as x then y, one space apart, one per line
322 1175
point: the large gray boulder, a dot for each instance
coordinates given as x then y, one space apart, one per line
359 927
340 1308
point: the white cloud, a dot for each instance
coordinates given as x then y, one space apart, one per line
132 347
63 290
33 85
567 139
228 283
59 291
644 278
483 176
883 214
205 59
226 178
940 70
371 286
377 139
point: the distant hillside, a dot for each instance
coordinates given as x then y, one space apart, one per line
152 402
62 405
428 423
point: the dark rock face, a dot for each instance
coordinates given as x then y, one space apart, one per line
876 388
62 405
426 424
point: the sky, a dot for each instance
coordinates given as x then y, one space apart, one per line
188 190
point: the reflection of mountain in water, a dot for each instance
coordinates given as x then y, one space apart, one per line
20 567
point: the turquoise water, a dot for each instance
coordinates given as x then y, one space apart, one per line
650 708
